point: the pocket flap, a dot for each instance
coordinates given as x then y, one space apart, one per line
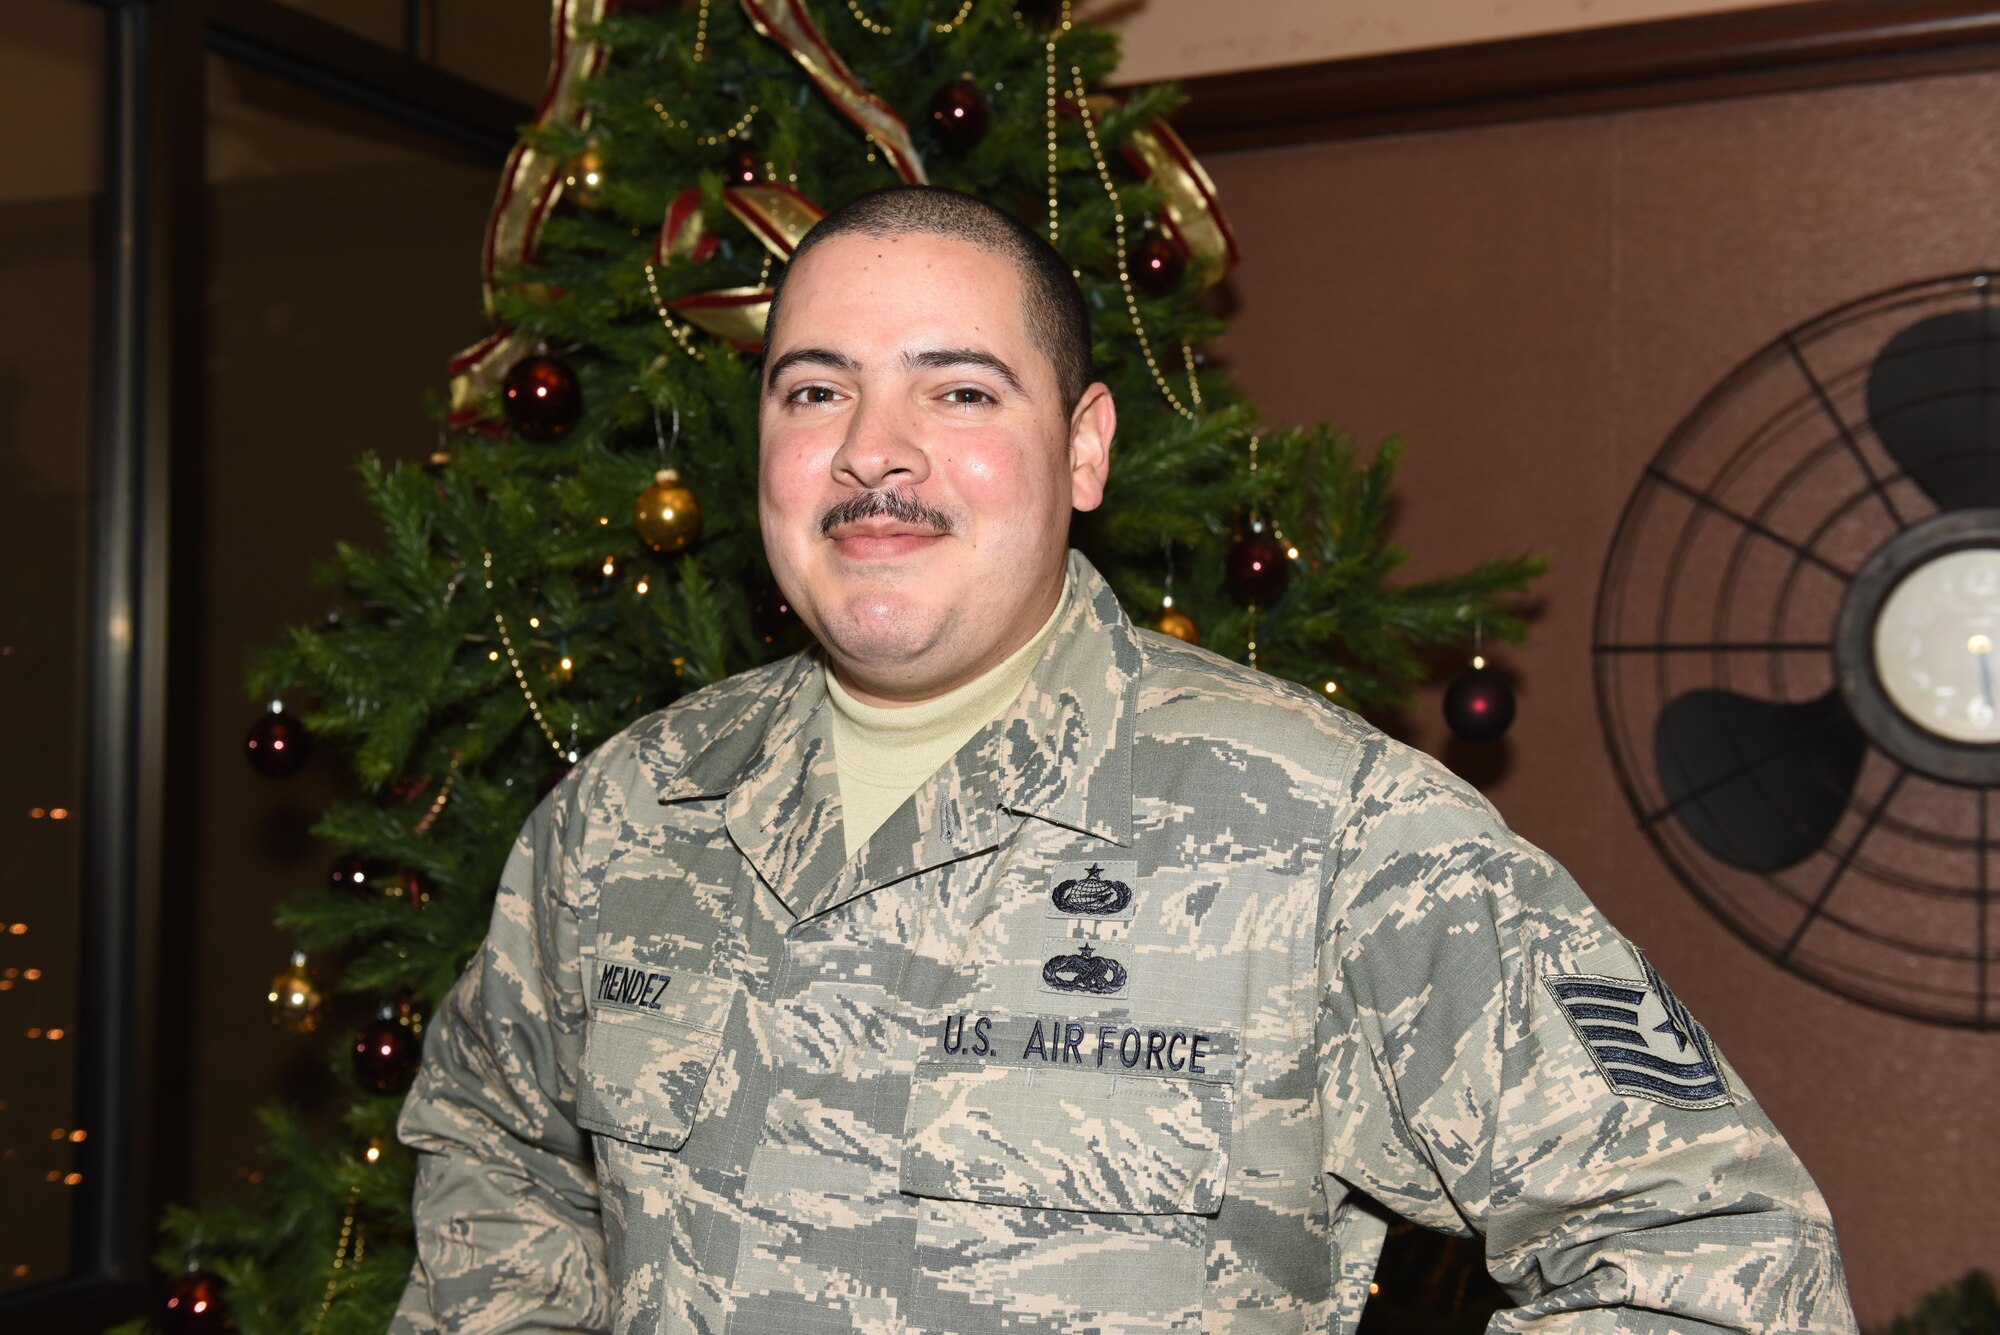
1068 1140
649 1044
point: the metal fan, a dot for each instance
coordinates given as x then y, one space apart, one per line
1796 649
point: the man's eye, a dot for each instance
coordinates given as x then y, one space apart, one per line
813 394
967 396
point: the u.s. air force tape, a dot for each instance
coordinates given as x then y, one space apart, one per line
1112 1043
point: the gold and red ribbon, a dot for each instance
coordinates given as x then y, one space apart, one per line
529 189
777 215
787 23
1192 213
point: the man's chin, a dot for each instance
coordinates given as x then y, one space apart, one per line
883 636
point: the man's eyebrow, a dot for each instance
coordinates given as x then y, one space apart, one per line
943 359
827 357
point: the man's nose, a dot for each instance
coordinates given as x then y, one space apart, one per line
883 447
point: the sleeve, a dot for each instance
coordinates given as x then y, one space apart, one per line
508 1234
1496 1059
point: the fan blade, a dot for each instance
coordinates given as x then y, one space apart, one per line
1760 785
1934 399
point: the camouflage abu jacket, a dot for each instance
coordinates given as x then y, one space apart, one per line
1111 1027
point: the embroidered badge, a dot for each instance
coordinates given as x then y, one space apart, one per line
1642 1039
1093 894
1084 971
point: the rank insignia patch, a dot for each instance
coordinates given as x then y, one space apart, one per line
1098 890
1643 1040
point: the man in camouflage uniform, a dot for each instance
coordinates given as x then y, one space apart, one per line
1136 1016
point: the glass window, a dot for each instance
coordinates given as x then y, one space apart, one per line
51 77
343 273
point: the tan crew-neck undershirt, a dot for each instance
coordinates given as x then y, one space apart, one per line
883 754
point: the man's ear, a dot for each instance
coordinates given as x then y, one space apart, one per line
1091 428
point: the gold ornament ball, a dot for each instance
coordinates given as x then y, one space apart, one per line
666 514
583 178
295 998
1178 624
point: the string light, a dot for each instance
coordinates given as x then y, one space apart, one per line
674 330
879 29
716 140
1055 204
1081 98
352 1247
514 659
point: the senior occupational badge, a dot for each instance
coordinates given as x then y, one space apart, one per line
1085 971
1093 894
1644 1042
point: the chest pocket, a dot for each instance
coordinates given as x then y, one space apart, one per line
1068 1140
650 1044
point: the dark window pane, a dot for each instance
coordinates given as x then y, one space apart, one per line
343 273
51 63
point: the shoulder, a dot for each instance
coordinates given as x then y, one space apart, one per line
1186 693
657 748
1377 787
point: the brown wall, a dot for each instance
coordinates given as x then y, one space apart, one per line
1178 39
1535 307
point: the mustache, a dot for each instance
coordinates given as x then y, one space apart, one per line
897 503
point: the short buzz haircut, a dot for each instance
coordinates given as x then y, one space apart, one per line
1057 318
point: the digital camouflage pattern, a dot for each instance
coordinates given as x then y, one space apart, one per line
1136 1017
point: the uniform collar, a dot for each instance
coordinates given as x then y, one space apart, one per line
1062 752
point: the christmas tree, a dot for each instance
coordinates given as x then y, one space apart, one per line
583 549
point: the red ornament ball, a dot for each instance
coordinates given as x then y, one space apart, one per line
745 166
1257 568
1157 264
1479 705
386 1055
960 114
194 1305
277 745
348 872
542 397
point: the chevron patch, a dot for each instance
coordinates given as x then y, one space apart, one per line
1643 1040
